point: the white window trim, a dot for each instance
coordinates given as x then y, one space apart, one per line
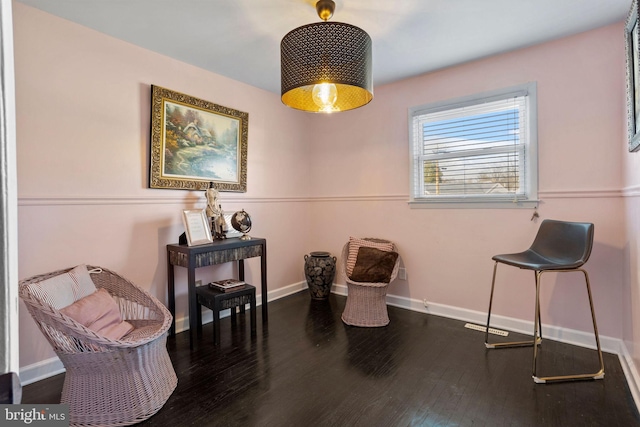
480 202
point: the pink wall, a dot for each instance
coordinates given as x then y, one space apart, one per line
631 330
448 252
83 120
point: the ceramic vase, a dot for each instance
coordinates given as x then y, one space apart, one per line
320 270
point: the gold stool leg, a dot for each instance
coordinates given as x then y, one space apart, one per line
487 344
594 376
536 321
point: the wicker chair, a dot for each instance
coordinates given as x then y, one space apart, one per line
109 382
366 302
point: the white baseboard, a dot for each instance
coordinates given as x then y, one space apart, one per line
53 366
630 373
555 333
569 336
339 290
41 370
182 323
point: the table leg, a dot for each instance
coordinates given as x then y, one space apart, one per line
171 294
240 277
199 322
216 322
263 277
193 304
241 269
252 307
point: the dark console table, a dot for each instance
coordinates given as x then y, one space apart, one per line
218 252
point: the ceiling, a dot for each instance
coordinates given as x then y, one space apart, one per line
240 39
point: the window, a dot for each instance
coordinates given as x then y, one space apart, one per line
477 151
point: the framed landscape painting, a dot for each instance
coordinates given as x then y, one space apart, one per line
196 142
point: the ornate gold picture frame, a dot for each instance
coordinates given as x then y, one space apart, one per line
195 142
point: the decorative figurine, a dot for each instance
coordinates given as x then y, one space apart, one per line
220 225
215 213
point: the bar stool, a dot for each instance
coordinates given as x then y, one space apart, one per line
217 301
559 247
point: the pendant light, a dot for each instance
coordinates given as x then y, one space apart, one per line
326 66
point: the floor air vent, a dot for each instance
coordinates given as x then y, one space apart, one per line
483 329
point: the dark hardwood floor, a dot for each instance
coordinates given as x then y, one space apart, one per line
309 369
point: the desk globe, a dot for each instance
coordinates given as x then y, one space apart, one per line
241 221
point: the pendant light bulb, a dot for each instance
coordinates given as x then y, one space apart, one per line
326 66
325 96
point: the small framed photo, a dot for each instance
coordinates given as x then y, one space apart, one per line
196 226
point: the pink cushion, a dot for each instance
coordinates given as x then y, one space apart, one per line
355 244
100 313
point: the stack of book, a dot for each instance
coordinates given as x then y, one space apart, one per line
227 285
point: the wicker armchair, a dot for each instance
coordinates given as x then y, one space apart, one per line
366 302
109 382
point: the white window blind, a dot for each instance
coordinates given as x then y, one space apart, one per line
479 149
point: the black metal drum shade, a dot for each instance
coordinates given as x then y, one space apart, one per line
326 52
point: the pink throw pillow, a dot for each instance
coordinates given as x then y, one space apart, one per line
100 313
